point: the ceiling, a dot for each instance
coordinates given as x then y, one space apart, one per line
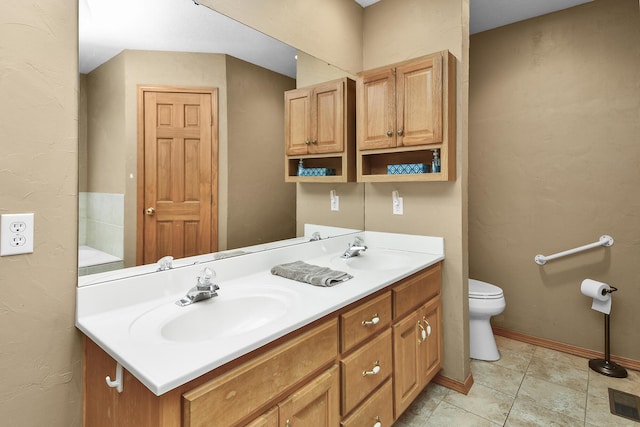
106 27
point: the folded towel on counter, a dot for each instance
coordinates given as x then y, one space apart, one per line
312 274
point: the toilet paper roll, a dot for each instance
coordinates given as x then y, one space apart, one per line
597 291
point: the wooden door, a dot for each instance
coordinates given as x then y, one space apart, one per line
376 109
314 405
297 121
419 102
327 118
178 193
406 363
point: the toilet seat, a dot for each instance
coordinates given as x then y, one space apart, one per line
483 290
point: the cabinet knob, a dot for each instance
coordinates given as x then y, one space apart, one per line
307 142
376 369
389 133
423 333
400 132
288 424
150 211
315 141
378 423
428 326
374 321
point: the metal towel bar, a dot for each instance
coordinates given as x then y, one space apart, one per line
604 241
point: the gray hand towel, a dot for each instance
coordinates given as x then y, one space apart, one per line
312 274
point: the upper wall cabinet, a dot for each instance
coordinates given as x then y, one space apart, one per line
406 118
320 132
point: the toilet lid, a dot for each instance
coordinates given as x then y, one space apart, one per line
478 289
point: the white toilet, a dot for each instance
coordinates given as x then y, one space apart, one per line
485 300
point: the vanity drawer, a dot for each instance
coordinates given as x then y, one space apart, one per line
233 395
377 408
416 290
364 321
355 383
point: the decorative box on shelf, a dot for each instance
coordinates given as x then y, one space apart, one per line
407 168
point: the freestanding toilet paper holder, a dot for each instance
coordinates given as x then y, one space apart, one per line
606 366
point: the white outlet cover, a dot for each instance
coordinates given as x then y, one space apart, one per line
335 203
9 223
398 206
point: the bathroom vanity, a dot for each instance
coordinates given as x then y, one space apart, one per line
354 354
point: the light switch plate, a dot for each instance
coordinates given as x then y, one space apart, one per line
16 234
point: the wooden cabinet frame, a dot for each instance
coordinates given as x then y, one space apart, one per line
320 131
405 111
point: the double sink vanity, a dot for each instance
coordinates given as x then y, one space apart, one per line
266 351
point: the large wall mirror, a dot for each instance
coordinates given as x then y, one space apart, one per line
250 71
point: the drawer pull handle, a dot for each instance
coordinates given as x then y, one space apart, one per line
428 326
378 423
374 371
374 321
423 333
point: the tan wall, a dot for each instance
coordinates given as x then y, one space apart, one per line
261 205
433 209
106 142
82 134
41 352
314 206
554 125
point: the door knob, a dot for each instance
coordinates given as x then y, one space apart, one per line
150 211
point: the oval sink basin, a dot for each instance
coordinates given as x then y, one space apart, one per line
233 312
375 260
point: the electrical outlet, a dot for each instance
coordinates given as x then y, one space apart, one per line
16 234
398 206
335 203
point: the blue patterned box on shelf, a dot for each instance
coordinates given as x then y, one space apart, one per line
408 168
317 172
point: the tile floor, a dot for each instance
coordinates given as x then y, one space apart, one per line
528 386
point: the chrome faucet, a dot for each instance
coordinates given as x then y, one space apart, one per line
354 248
204 289
165 263
315 237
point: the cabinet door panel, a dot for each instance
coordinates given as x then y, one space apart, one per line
431 351
297 121
419 102
327 119
376 110
406 364
314 405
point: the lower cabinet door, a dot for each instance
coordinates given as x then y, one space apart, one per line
431 349
268 419
314 405
378 408
406 363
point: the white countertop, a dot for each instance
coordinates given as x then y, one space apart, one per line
125 316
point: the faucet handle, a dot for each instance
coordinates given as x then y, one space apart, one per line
205 276
358 241
165 263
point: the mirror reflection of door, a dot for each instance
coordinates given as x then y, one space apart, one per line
177 172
